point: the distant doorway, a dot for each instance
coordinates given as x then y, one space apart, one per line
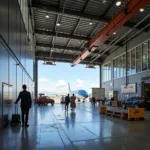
146 89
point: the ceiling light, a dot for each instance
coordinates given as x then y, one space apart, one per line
58 24
114 33
104 1
47 16
90 66
90 23
49 63
118 3
141 9
52 50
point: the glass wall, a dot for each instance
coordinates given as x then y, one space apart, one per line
121 66
106 72
24 7
133 61
145 56
129 62
138 59
124 65
115 69
149 54
117 64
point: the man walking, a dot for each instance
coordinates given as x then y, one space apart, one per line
67 101
26 102
93 100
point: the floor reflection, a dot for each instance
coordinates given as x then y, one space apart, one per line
67 119
73 118
53 128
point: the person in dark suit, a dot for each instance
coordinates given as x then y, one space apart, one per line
67 101
26 103
93 100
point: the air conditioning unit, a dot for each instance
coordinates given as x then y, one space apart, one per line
90 66
49 63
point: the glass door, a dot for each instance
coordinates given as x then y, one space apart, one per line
6 103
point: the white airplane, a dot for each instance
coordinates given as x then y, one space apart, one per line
80 94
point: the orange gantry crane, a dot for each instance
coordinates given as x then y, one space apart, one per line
130 9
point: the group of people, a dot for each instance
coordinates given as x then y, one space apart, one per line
26 103
93 100
69 100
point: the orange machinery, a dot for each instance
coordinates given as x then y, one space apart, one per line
130 9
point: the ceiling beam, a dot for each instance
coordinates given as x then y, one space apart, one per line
72 34
58 47
109 8
75 14
66 61
93 31
132 7
62 58
60 2
61 47
63 35
85 5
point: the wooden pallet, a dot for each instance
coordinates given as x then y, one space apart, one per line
119 114
102 113
135 119
109 112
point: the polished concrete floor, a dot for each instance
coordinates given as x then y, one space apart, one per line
51 128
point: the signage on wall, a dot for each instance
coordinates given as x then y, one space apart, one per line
146 78
128 89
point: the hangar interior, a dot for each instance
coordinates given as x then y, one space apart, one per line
115 35
63 31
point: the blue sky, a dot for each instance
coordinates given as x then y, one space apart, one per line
55 79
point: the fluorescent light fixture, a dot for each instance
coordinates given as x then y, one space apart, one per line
114 33
58 24
49 63
141 9
104 1
90 23
118 3
90 66
47 16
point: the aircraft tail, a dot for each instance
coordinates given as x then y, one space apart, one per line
69 87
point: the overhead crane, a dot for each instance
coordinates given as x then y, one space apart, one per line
129 10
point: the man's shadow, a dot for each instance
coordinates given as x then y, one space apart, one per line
73 118
67 119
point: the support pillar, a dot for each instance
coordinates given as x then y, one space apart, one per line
100 67
36 78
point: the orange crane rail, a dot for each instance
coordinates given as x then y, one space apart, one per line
130 9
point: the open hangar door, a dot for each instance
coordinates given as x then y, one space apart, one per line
56 81
79 35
